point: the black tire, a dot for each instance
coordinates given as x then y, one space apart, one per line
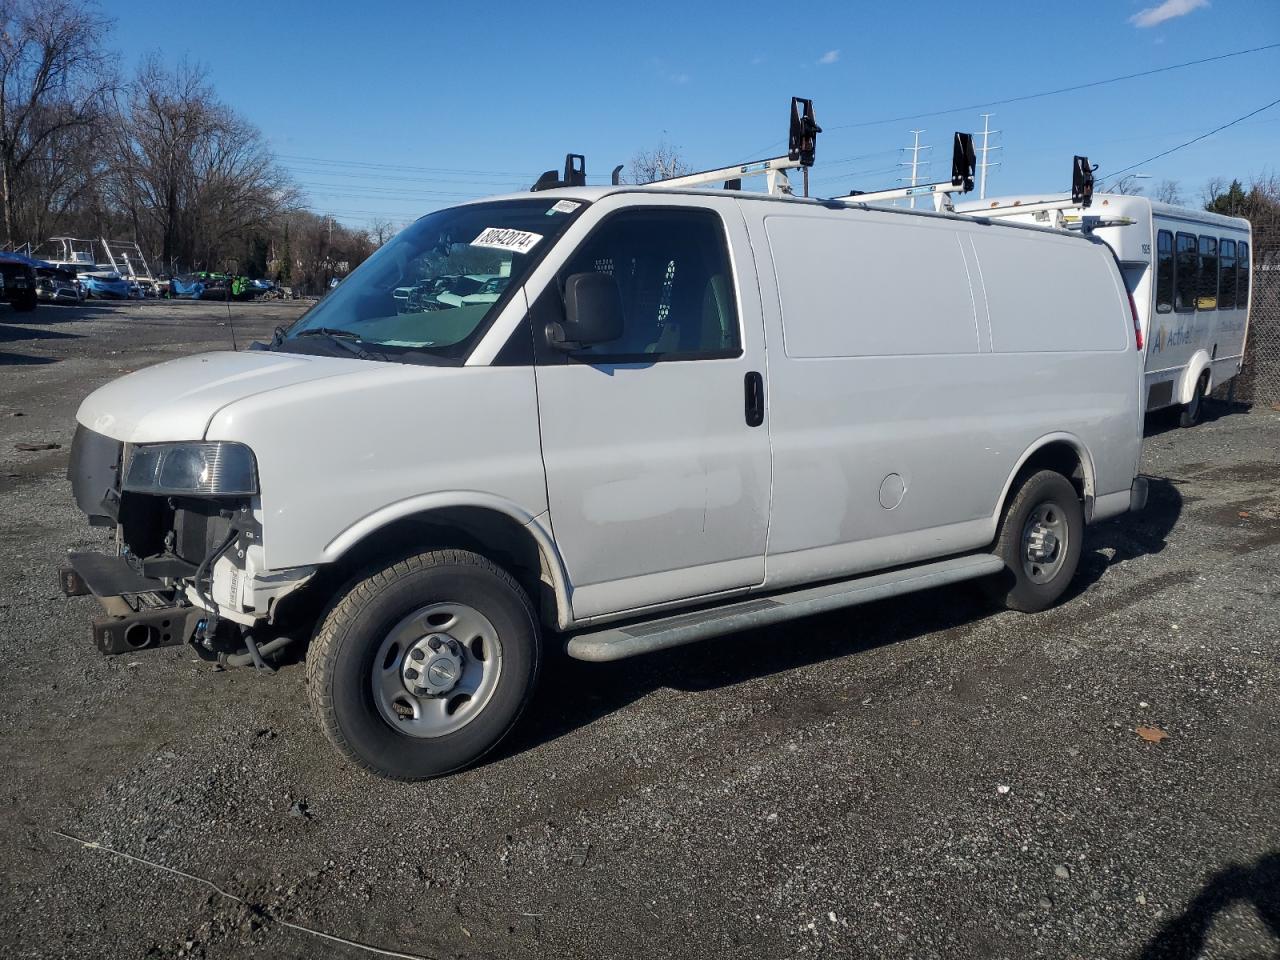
1015 587
1192 411
340 662
24 303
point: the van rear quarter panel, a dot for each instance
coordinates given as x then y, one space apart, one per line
951 351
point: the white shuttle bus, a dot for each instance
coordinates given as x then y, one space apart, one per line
1189 274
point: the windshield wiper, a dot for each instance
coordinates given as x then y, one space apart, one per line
343 338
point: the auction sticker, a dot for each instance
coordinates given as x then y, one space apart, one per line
563 206
500 238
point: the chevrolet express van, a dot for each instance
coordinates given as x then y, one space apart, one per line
685 413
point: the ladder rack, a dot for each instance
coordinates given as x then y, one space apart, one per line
801 151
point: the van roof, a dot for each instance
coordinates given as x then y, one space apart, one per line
591 194
1119 203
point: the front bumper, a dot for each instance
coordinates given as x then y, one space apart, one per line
140 611
165 542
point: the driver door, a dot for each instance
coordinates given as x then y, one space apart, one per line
657 474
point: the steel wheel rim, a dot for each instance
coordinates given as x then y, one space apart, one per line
450 638
1045 541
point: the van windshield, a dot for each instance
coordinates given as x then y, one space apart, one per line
430 292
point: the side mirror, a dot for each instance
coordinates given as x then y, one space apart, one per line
592 310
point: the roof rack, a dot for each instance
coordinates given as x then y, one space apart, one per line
1060 214
802 142
963 166
802 147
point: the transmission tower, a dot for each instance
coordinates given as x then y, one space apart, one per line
983 164
915 163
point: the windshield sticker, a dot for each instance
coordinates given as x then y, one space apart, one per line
500 238
563 206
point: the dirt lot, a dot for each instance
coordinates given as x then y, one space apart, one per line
918 778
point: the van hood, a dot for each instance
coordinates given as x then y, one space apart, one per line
176 400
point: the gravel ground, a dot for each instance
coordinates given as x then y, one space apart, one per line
916 778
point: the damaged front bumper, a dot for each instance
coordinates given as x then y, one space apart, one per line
184 565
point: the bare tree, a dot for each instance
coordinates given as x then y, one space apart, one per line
54 84
1127 185
195 179
660 163
380 231
1168 191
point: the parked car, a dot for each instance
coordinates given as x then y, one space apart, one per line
601 457
55 285
106 286
19 282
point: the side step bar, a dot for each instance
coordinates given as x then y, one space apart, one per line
619 642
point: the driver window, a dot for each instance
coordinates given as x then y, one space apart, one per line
673 274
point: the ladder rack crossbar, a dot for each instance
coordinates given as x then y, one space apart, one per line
755 168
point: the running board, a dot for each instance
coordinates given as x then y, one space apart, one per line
617 643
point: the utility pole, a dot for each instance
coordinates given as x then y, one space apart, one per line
983 164
915 163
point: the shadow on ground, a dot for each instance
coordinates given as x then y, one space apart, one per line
23 360
1162 421
573 694
1184 936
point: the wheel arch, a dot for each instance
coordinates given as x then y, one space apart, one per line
498 529
1200 364
1064 453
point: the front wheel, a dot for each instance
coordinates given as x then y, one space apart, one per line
420 668
1040 540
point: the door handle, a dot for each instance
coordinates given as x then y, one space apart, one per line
753 385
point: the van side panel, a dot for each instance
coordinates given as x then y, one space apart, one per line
810 253
1039 310
895 427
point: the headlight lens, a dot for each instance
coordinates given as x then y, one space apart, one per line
203 469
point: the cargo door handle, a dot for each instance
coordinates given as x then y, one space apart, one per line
754 388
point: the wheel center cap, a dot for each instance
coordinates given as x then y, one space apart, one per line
433 666
441 672
1041 543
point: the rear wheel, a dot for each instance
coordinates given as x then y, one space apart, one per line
420 668
1039 541
1190 415
24 302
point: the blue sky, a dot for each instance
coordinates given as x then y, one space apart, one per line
392 108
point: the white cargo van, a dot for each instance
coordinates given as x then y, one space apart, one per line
684 414
1189 274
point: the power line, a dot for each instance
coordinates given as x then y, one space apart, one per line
1034 96
1230 123
402 166
1060 90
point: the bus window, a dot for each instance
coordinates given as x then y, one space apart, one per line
1242 277
1164 271
1184 274
1226 274
1207 293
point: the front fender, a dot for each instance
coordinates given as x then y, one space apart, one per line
426 504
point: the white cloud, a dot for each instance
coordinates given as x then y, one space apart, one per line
1153 16
831 56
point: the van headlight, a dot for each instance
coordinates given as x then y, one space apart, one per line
200 469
